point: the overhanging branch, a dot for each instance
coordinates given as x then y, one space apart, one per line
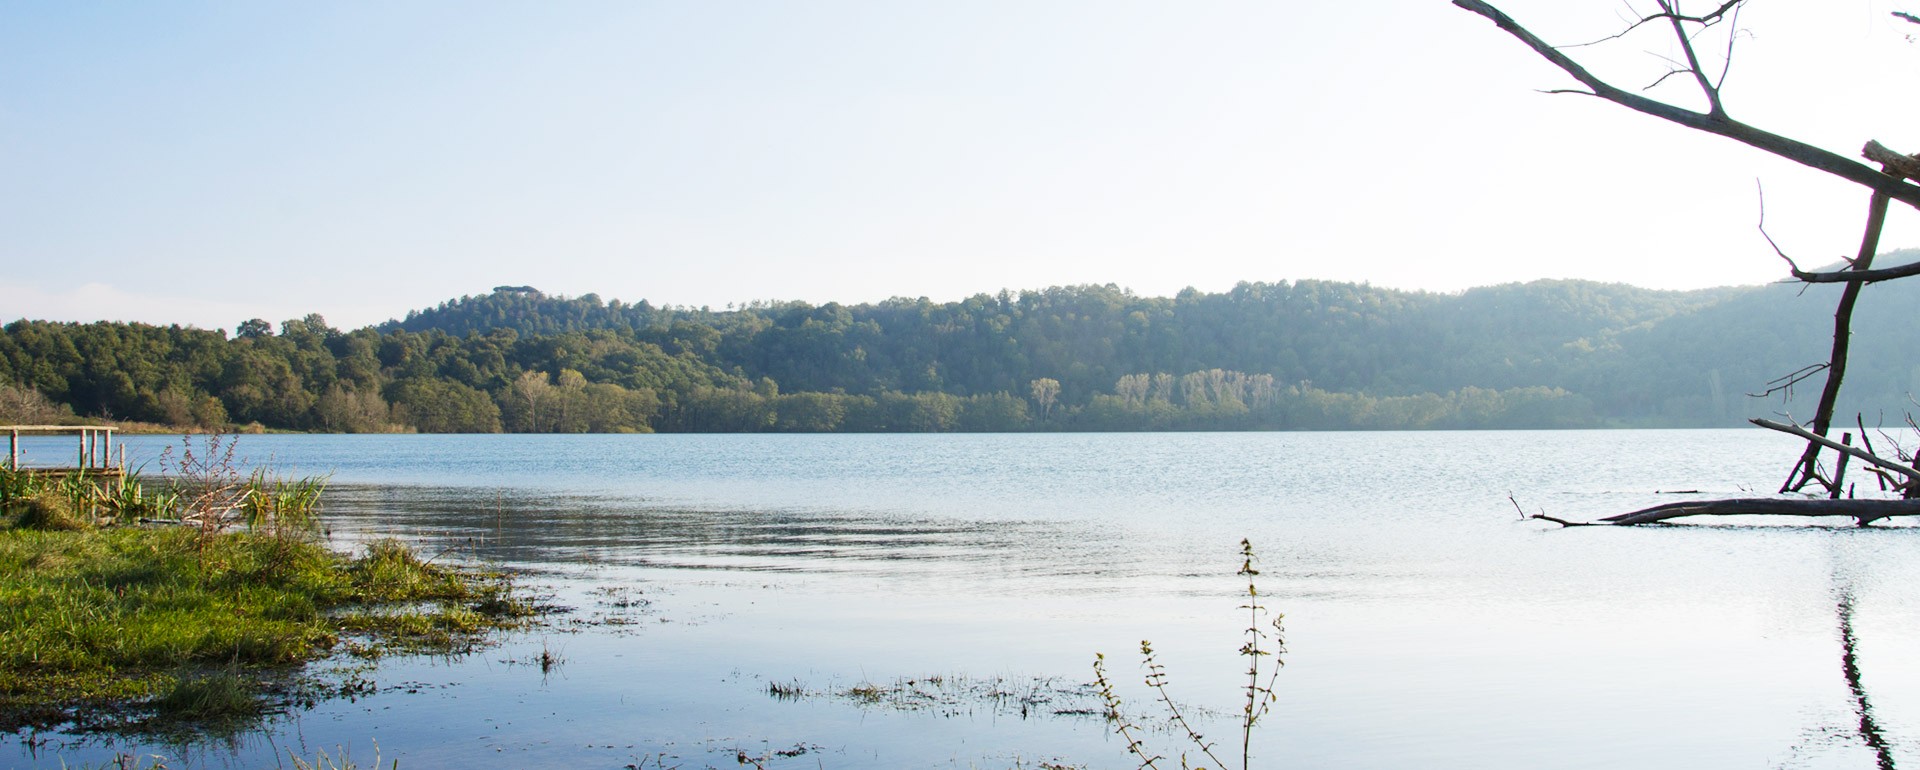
1858 276
1718 124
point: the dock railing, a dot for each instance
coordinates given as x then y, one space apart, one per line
96 453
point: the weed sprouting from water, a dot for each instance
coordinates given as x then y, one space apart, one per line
125 762
282 507
1258 693
343 762
793 690
954 695
866 692
549 660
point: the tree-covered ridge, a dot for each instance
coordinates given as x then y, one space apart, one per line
312 377
1340 336
1288 355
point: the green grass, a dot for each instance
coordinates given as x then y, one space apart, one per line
122 622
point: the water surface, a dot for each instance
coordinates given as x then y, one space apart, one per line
1426 625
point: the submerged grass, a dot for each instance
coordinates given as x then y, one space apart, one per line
119 624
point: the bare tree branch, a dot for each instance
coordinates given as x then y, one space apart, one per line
1858 276
1760 193
1786 382
1814 438
1712 123
1714 108
1706 20
1807 469
1663 78
1726 59
1857 273
1895 163
1729 5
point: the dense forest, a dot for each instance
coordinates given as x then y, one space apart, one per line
1263 356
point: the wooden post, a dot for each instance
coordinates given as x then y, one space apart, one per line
13 450
1840 468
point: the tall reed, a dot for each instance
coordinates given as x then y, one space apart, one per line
1257 694
281 506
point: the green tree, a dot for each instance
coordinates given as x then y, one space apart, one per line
440 406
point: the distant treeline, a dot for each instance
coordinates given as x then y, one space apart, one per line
1299 355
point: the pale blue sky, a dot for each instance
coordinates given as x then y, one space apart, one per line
207 163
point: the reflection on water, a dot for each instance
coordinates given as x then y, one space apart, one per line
1850 670
547 531
1427 627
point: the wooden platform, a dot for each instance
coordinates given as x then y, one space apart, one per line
96 454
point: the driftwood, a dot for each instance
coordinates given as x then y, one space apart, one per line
1862 512
1912 475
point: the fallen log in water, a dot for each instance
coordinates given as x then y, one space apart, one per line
1863 512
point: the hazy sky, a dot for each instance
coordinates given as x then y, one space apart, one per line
209 163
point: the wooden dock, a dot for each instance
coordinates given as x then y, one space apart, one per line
96 455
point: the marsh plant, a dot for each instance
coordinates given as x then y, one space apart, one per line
341 762
1265 639
209 481
281 506
202 487
53 501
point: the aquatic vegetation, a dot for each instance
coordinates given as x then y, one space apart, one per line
204 487
342 761
282 506
127 625
1258 694
955 695
210 696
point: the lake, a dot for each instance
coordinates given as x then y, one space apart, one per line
936 601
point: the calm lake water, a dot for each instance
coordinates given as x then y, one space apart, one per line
1426 625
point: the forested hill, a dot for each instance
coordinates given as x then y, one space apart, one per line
1288 355
1339 336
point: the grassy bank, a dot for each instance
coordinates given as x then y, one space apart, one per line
121 624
